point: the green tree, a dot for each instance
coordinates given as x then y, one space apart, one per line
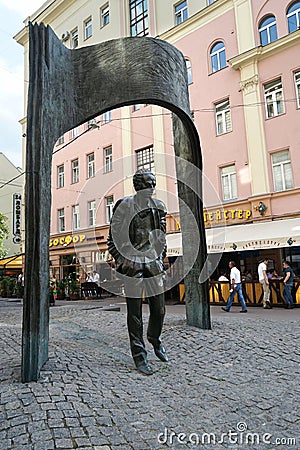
4 232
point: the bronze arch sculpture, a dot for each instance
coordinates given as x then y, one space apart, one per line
67 88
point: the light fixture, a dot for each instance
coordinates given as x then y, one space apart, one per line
261 208
234 246
290 241
93 124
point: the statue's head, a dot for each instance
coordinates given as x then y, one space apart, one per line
144 180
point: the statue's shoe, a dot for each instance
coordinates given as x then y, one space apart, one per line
144 368
161 353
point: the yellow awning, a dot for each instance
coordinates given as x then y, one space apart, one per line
12 262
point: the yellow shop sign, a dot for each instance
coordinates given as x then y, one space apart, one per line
221 215
66 240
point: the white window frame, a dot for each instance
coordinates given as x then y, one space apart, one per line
229 178
266 28
297 86
75 170
107 117
88 28
217 53
61 220
281 183
188 66
92 213
271 92
74 132
295 13
74 38
60 140
109 205
181 12
104 15
60 176
145 158
90 165
75 217
223 112
108 161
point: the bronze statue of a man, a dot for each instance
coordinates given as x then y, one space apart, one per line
137 241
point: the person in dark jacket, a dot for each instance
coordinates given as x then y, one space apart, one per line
137 242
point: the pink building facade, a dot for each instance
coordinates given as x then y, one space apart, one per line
244 82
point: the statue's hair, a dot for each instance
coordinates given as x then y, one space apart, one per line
139 177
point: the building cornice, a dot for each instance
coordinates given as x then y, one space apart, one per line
260 53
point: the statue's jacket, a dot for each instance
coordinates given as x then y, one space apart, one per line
137 237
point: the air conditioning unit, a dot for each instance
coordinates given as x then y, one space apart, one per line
65 36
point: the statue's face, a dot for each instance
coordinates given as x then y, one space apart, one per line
146 185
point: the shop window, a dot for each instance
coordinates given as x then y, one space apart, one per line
229 183
268 30
293 17
138 17
274 101
282 171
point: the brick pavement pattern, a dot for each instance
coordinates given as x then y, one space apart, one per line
234 387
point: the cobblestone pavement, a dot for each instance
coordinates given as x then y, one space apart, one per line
234 387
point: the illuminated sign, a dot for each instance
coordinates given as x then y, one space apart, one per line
17 208
67 240
221 215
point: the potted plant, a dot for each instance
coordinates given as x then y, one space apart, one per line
74 290
61 289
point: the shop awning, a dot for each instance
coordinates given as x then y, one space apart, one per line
11 262
252 236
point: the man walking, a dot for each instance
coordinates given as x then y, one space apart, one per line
263 279
236 288
288 280
137 242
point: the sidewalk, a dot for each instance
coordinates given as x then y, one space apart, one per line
236 386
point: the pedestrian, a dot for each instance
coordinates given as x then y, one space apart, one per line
137 241
288 280
96 278
236 288
263 279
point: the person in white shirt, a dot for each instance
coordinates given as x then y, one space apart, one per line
96 278
236 288
263 279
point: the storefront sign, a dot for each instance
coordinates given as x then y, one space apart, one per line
224 215
67 240
261 243
17 207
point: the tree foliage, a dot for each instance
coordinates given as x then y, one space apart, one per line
4 232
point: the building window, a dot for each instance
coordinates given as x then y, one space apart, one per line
297 87
109 207
274 99
99 256
223 117
61 220
145 158
104 15
282 171
293 17
108 160
181 13
88 28
74 132
268 30
189 71
229 185
91 165
138 17
60 176
137 107
106 117
74 38
218 57
211 1
75 211
92 213
75 171
60 140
